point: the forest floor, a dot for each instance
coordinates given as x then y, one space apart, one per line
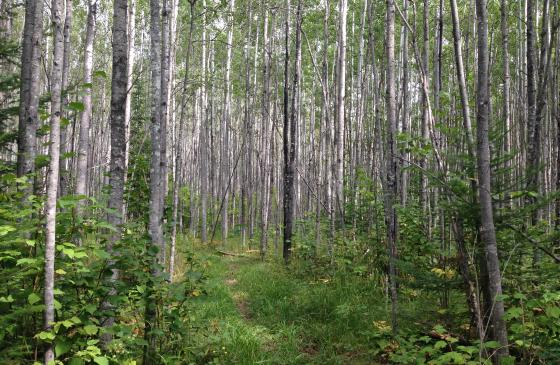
253 312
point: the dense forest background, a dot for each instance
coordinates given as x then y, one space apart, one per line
279 181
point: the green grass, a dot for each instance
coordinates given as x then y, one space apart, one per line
255 312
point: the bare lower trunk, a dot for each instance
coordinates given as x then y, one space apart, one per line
391 170
30 88
340 98
130 70
53 176
204 137
487 230
225 128
156 184
117 124
178 154
472 294
266 169
83 141
64 147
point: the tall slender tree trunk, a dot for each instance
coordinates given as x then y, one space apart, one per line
487 229
204 136
329 135
178 152
57 9
164 116
340 111
268 133
130 70
85 117
405 107
472 294
30 88
391 157
155 228
64 142
226 122
533 129
504 27
290 127
117 169
424 196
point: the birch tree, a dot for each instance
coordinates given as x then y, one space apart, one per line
57 19
118 141
85 117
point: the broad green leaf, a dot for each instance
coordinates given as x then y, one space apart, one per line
90 329
101 360
4 230
45 336
33 298
61 347
440 345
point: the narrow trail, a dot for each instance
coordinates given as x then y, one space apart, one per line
238 296
255 312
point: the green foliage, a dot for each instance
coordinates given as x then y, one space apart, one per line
84 293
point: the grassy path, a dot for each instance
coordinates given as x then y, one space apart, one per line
257 313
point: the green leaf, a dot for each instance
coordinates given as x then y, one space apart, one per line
33 298
26 261
4 230
100 73
90 329
513 312
492 344
90 308
553 312
8 299
45 336
508 360
452 358
440 345
101 360
61 347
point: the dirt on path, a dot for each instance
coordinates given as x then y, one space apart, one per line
238 296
